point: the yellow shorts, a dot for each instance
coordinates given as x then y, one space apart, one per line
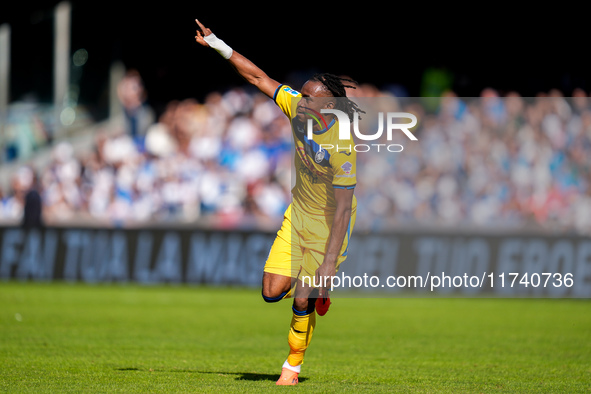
298 249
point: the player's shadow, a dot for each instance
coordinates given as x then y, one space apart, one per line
239 375
256 376
251 376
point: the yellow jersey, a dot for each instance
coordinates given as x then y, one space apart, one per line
321 164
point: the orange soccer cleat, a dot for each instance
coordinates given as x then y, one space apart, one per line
288 378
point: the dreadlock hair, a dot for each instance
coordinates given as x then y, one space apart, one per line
336 86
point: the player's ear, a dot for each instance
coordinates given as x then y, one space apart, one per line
330 104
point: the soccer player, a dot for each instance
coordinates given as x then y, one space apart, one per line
314 235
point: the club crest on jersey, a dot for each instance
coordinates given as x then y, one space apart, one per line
347 167
319 156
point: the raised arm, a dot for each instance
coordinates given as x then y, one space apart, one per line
244 67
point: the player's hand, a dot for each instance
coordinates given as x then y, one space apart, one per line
202 32
326 270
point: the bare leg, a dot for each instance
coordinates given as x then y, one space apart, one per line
276 286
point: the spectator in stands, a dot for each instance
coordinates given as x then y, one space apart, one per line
138 114
33 204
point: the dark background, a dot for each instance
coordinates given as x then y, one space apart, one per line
385 44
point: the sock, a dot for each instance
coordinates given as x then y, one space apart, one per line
300 335
296 369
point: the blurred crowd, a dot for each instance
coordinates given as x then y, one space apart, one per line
490 161
227 162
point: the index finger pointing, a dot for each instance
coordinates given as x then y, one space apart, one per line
200 25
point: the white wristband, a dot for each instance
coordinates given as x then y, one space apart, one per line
220 46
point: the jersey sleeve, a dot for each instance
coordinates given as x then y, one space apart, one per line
344 165
283 98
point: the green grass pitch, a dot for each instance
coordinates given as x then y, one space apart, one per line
58 338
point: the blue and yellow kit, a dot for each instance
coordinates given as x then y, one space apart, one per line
319 168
